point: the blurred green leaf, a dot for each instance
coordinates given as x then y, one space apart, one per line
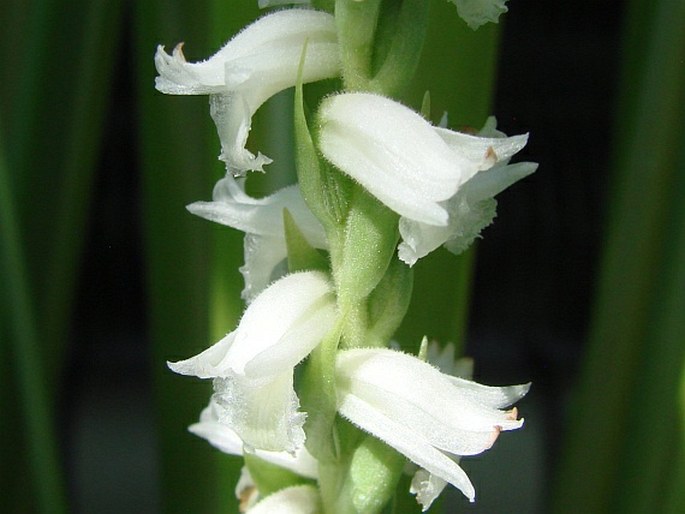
619 451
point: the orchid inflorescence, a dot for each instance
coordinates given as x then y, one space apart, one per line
310 380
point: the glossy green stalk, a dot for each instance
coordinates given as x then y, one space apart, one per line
28 364
634 357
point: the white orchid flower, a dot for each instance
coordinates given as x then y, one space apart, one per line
256 64
441 182
479 12
253 366
227 440
428 416
298 499
262 221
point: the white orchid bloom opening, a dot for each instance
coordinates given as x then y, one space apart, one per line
298 499
262 221
256 64
253 366
479 12
424 414
440 181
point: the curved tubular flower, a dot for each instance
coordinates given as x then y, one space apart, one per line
424 414
225 439
262 221
253 366
479 12
256 64
433 177
298 499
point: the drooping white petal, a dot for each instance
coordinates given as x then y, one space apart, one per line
259 62
227 440
479 12
394 153
262 221
299 499
253 366
426 415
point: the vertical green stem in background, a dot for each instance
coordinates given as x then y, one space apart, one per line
28 366
617 458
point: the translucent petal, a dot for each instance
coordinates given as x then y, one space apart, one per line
264 413
263 258
225 439
426 487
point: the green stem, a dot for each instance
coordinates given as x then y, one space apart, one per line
38 417
356 23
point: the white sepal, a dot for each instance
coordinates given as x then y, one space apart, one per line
256 64
424 414
262 221
253 366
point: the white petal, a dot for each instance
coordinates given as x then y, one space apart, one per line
406 442
422 413
482 151
256 64
393 152
272 44
282 307
299 499
262 220
232 114
207 364
232 207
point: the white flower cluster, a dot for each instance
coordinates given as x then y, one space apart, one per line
440 182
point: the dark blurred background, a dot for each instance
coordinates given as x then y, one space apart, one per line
533 283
